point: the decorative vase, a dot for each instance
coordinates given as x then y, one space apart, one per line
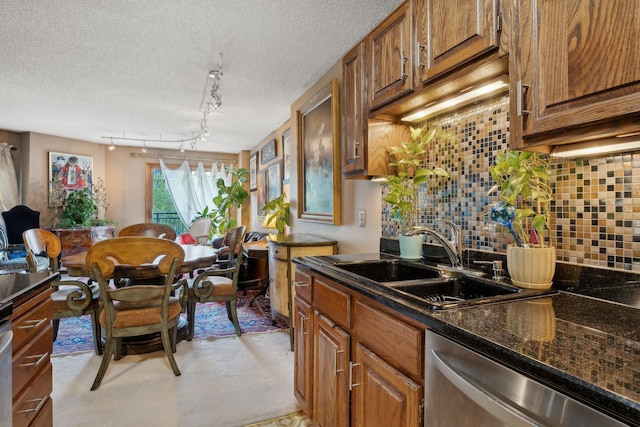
531 268
410 246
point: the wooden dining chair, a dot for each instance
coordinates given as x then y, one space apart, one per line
140 309
149 229
218 284
72 298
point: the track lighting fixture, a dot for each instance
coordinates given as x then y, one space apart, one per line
215 77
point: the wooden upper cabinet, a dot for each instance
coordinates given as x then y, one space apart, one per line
354 112
390 58
451 33
575 68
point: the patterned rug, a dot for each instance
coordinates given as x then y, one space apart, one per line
74 334
298 419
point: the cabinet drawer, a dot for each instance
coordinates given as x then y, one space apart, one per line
278 252
27 325
332 302
303 283
31 359
396 342
28 405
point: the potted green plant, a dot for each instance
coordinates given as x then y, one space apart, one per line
408 163
278 213
228 197
522 183
81 208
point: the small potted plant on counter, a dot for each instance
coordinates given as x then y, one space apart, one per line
522 183
278 213
407 161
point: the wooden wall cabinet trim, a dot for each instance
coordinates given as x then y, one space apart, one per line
573 71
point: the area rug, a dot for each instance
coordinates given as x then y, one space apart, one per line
226 382
75 335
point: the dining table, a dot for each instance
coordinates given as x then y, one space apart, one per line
196 257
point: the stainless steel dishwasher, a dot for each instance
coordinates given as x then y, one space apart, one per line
464 388
6 337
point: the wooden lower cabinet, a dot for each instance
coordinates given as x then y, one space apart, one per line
32 370
330 374
303 349
357 363
382 396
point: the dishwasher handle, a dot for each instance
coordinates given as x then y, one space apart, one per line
482 396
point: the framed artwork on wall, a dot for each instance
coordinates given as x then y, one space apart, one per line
274 181
286 155
262 191
319 157
68 172
253 172
268 152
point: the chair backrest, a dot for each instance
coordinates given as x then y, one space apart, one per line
235 239
149 229
39 242
200 230
134 251
19 219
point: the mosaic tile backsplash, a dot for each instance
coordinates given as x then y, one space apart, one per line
596 211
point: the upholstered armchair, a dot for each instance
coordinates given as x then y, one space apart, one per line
72 298
140 309
218 284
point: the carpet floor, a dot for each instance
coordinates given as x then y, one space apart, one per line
74 334
225 382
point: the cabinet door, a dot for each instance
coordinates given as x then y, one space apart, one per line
354 112
303 349
382 396
390 58
575 65
278 281
330 381
451 33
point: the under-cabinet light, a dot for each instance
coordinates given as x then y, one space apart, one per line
472 94
597 147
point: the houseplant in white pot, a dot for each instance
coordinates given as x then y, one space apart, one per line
407 161
522 183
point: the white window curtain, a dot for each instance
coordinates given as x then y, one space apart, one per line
193 191
9 196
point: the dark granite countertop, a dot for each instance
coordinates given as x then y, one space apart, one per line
16 287
582 346
300 239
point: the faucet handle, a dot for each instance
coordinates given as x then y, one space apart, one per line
498 270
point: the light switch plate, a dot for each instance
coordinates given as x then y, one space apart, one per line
361 218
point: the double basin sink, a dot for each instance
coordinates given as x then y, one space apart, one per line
437 288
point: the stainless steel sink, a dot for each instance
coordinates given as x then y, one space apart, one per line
459 290
434 287
389 270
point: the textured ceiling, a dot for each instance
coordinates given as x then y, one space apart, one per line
85 69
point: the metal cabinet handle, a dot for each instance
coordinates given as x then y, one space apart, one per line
41 401
520 111
420 48
32 324
303 318
40 358
356 145
300 284
335 362
351 384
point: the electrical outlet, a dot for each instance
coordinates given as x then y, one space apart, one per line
361 218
